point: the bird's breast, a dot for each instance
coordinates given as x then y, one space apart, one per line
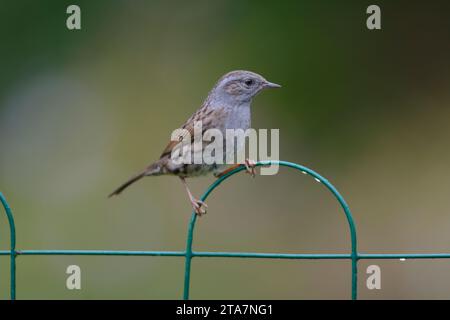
238 118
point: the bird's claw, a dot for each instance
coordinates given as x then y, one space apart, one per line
250 166
199 207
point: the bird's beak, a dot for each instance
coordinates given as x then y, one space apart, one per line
271 85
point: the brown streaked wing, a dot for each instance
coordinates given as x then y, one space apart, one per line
209 117
172 144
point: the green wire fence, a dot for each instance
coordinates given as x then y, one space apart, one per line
189 254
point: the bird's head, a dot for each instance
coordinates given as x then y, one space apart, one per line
241 86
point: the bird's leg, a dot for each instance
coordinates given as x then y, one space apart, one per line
250 167
198 205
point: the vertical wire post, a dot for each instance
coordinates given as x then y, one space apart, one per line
188 256
12 245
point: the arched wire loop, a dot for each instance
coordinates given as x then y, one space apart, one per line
353 254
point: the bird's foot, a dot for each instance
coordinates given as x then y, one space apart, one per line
250 166
199 206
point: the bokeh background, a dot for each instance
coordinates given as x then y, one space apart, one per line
80 111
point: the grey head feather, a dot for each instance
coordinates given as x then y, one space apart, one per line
237 88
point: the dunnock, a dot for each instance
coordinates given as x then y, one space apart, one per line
226 107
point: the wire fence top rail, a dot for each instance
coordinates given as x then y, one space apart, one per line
189 253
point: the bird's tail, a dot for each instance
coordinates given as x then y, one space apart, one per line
153 169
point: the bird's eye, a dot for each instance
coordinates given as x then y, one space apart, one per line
248 82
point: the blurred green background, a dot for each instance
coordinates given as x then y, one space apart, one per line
80 111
